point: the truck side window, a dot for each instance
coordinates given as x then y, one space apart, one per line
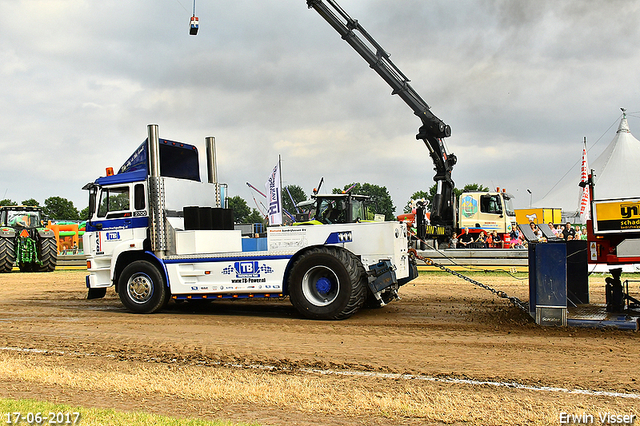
139 197
114 200
490 204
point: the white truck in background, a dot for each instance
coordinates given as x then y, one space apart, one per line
487 211
157 232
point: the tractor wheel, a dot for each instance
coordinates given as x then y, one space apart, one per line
48 255
327 283
7 254
141 288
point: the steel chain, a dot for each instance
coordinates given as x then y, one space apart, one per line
514 300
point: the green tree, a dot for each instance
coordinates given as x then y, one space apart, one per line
298 195
30 202
470 187
254 217
8 202
240 209
58 208
380 201
84 213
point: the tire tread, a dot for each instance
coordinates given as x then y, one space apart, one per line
7 254
48 255
357 278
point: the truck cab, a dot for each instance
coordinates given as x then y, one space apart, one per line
486 211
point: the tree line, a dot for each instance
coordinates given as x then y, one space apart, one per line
54 208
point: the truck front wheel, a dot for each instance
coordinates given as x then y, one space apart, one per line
141 288
327 283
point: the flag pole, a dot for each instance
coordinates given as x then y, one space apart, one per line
280 169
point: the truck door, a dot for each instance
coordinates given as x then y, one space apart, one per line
121 216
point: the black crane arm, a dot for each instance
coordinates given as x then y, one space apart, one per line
432 131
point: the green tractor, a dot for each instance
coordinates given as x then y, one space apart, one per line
333 208
25 241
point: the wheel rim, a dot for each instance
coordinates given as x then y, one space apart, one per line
140 288
320 286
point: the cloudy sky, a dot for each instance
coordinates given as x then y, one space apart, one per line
520 82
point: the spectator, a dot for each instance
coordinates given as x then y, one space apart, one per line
513 235
584 233
481 241
518 241
466 239
536 231
569 233
578 233
454 240
496 241
554 230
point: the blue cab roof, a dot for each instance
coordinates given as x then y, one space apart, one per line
134 176
177 160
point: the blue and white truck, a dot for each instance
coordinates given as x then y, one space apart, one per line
157 232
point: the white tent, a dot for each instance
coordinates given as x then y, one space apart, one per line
617 175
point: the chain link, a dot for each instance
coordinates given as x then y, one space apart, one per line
514 300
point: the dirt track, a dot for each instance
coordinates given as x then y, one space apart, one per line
443 328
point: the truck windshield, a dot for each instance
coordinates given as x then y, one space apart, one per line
508 205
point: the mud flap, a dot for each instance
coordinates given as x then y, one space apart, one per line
382 277
96 293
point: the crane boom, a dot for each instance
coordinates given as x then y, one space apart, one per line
432 131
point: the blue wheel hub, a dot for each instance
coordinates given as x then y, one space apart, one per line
320 285
323 285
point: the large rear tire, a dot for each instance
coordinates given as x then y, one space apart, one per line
7 254
141 288
327 283
48 255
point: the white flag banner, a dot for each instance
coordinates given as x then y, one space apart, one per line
585 207
274 196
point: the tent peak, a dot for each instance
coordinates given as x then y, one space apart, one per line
624 125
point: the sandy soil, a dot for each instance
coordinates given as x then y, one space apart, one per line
442 328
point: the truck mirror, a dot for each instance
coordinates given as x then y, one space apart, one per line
92 202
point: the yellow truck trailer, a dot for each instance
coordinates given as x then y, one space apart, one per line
538 215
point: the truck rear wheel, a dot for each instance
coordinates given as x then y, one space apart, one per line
48 255
327 283
141 288
7 254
